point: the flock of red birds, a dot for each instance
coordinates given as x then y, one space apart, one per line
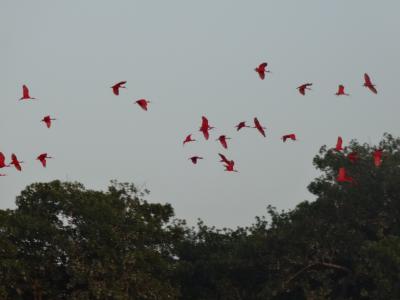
205 127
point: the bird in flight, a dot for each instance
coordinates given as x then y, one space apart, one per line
377 157
241 125
368 84
225 160
188 139
339 144
15 162
47 120
194 159
230 167
118 86
143 103
261 70
2 161
341 91
302 88
291 136
43 159
342 177
258 126
25 94
205 127
222 139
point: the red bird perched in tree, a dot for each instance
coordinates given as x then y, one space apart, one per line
143 103
261 70
47 120
258 126
222 139
368 84
353 157
2 161
302 88
188 139
378 157
341 91
42 158
15 162
291 136
241 125
339 144
194 159
342 177
25 94
205 127
118 86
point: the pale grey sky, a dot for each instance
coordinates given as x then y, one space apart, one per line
193 58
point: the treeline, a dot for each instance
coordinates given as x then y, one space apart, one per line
67 242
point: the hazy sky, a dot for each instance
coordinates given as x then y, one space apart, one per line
193 58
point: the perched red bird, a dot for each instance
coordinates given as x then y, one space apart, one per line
194 159
25 93
42 158
341 91
241 125
143 103
222 139
339 144
302 88
353 157
291 136
258 126
3 161
47 120
205 127
188 139
342 177
378 157
15 162
118 86
261 70
368 84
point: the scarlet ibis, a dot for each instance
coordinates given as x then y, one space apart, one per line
368 84
2 161
302 88
353 157
342 177
222 139
15 162
188 139
43 159
291 136
378 157
341 91
143 103
225 160
194 159
25 93
230 167
258 126
47 120
339 144
205 127
118 86
241 125
261 70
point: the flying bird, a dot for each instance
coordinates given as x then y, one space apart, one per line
241 125
302 88
230 167
194 159
25 93
205 127
43 159
377 157
261 70
188 139
353 157
291 136
342 177
15 162
225 160
2 161
341 91
339 144
118 86
368 84
222 139
258 126
47 120
143 103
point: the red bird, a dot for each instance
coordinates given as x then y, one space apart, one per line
258 126
241 125
194 159
15 162
188 139
377 157
261 70
205 127
222 139
353 157
143 103
230 167
291 136
2 161
25 93
342 177
47 120
118 86
368 84
225 160
341 91
339 144
302 88
42 158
